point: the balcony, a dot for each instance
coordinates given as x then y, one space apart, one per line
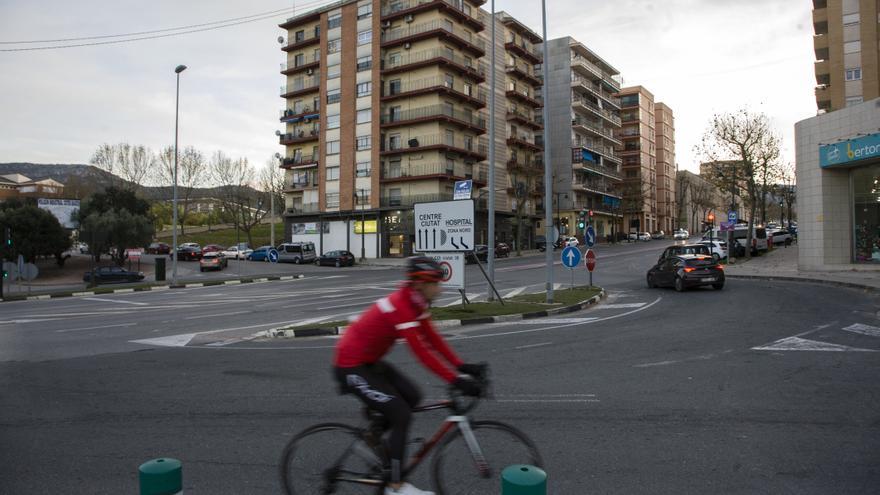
444 29
523 71
422 171
590 69
439 84
820 44
524 50
301 135
583 104
296 44
303 208
521 93
299 161
527 167
587 85
445 57
589 127
296 66
300 87
579 161
466 120
523 141
524 119
304 113
475 149
400 9
596 186
297 186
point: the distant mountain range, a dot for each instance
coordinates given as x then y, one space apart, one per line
95 178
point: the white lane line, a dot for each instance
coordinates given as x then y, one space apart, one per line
548 321
515 292
115 301
169 341
217 315
703 357
35 320
799 344
95 328
619 306
547 400
863 329
533 345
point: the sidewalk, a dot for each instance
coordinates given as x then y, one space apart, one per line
782 264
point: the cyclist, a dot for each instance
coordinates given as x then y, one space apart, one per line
360 370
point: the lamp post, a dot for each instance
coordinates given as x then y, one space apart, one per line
363 227
177 70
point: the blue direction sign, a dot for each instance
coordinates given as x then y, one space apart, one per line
590 236
273 256
571 257
731 217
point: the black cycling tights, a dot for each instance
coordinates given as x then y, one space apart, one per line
381 387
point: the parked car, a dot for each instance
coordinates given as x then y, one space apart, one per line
212 248
502 250
481 251
681 235
644 236
159 248
740 233
681 249
113 274
191 244
717 248
297 252
541 243
189 253
572 241
213 260
236 252
336 258
686 270
260 254
659 235
82 247
780 237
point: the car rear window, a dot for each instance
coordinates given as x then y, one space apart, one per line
700 262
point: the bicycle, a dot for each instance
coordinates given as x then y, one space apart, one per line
332 458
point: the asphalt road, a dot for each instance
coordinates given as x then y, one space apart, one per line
760 388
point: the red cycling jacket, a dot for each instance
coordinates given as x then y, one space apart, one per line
402 314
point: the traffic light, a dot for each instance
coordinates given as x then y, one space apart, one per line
7 237
581 223
711 218
591 215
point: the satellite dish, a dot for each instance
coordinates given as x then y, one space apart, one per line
277 133
278 155
281 40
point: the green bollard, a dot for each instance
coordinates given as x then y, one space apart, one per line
161 477
522 479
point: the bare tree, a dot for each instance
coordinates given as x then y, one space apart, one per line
129 164
682 189
191 173
236 179
272 182
747 139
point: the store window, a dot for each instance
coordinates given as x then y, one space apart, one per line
866 215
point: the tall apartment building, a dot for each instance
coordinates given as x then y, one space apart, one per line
385 108
664 143
638 152
847 56
584 113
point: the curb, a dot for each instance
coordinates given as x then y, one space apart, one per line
849 285
282 332
153 288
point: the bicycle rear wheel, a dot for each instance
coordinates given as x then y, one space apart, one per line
330 458
455 470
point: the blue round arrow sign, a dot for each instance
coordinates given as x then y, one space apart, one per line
590 236
571 257
273 256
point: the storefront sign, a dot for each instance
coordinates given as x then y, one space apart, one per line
367 227
849 152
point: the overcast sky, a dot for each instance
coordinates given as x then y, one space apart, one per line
700 57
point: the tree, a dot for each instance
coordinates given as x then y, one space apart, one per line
235 179
129 164
681 190
787 188
115 220
192 170
272 183
746 139
35 232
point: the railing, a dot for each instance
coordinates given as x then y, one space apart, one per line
297 185
467 36
304 208
526 47
475 172
307 83
307 60
300 134
525 138
612 80
595 88
480 68
412 199
524 68
519 113
293 41
593 127
577 159
596 186
430 82
304 110
458 5
601 111
476 145
299 160
521 89
474 119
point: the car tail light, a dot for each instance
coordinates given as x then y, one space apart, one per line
689 269
720 267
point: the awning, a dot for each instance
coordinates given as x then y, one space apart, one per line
589 156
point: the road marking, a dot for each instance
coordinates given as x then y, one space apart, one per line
169 341
95 328
36 320
548 321
515 292
216 315
533 345
457 301
620 306
232 282
863 329
675 361
799 344
115 301
547 400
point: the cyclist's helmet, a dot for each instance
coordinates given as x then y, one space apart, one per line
423 269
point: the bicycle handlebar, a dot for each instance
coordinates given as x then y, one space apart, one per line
462 404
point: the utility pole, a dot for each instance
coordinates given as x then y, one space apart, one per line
548 176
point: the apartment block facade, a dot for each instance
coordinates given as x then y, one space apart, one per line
385 107
584 117
638 152
846 45
666 169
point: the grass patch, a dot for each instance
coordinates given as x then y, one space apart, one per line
229 237
565 297
483 309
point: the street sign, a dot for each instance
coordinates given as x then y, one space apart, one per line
462 189
134 254
453 268
30 272
571 257
590 260
273 255
731 217
444 226
590 236
727 227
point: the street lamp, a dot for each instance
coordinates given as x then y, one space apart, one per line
363 226
177 70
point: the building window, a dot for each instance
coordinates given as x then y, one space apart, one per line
364 89
332 200
364 116
364 63
332 147
333 121
333 96
394 197
450 166
852 47
365 11
333 46
850 19
394 87
332 173
394 59
394 142
298 59
365 37
363 169
448 81
363 143
333 71
468 89
854 74
299 36
334 21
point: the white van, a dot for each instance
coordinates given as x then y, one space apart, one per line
297 252
741 234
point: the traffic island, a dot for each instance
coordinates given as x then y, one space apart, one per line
521 307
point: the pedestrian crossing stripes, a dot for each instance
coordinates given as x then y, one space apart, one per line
799 343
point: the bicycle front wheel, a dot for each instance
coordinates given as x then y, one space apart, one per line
457 470
330 458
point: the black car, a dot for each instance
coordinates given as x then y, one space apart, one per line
481 251
336 258
684 249
541 243
188 253
686 270
113 274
